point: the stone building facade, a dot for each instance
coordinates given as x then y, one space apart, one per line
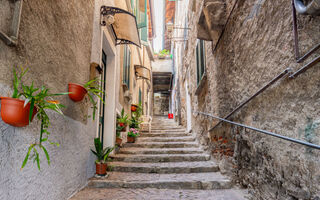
60 41
256 45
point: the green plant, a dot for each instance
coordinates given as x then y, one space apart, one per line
135 121
94 89
102 154
164 52
123 119
37 99
133 132
118 131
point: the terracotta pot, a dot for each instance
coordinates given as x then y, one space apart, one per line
134 107
14 113
77 92
101 169
118 141
131 139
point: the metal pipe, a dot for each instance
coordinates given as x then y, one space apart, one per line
299 60
265 132
306 67
282 74
313 8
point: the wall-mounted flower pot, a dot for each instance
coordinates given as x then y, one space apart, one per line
14 113
76 92
118 141
101 169
131 139
134 107
123 126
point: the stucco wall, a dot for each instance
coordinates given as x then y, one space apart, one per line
55 43
256 46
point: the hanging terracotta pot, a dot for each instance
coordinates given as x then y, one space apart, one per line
101 169
118 141
14 112
76 92
131 139
134 107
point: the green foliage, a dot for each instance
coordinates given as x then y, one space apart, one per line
37 99
118 131
123 118
164 52
17 77
135 121
102 154
94 89
133 132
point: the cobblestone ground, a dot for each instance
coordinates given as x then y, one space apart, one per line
166 164
158 194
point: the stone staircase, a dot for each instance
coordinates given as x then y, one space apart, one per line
167 159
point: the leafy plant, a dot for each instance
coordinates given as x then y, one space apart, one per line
38 101
135 121
102 154
118 131
94 89
133 132
164 52
123 119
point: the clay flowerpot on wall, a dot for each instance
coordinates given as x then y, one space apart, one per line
76 92
131 139
118 141
134 107
101 169
14 112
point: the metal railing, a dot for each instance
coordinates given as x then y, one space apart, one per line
263 131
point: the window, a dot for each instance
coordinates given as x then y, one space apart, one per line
126 66
139 9
140 96
201 61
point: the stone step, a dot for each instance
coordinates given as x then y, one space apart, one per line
166 139
204 181
133 150
161 144
164 168
161 158
145 134
165 128
153 193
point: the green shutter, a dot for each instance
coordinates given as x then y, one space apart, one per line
140 96
144 34
124 77
141 13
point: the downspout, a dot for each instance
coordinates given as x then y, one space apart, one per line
313 8
12 40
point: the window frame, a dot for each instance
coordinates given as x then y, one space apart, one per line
200 54
126 66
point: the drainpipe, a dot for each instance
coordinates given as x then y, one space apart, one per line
12 40
313 8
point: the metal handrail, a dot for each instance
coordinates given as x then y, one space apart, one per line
278 77
263 131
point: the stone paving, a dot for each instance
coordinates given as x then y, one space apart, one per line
167 163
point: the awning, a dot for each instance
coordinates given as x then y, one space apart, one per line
123 24
142 72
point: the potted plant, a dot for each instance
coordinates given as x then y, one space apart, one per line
123 121
135 121
91 88
102 157
118 135
15 111
132 134
134 107
35 103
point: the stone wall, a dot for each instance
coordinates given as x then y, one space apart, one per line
161 105
256 46
55 43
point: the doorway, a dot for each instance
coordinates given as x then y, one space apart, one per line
103 87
